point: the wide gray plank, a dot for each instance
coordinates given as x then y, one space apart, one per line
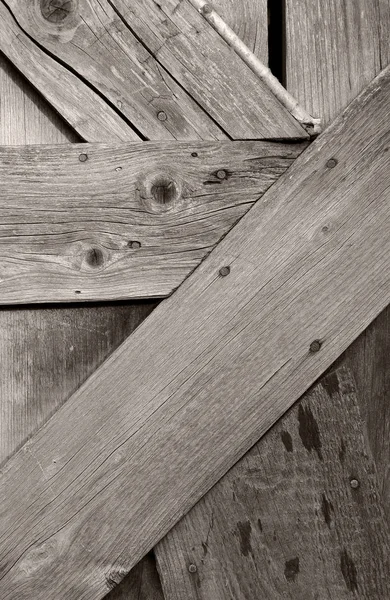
333 51
96 222
208 373
285 521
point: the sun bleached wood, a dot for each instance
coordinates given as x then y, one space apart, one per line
208 373
95 222
285 522
249 19
198 58
333 51
46 353
81 108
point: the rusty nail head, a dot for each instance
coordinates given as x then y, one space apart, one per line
221 174
135 245
332 162
83 157
192 568
354 484
315 346
224 271
162 116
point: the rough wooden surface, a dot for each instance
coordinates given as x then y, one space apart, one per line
334 49
45 354
285 521
80 106
158 97
96 222
249 20
208 373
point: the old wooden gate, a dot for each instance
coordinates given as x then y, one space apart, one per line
189 438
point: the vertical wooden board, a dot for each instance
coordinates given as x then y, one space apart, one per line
333 52
286 522
47 353
249 20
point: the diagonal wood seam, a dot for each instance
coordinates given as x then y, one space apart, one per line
222 377
311 124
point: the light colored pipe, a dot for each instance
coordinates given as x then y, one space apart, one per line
311 124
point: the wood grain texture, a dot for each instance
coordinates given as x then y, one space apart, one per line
92 42
187 46
208 373
80 106
249 20
45 354
285 522
333 52
333 49
96 222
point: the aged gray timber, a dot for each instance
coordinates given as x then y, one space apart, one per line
326 71
334 49
208 373
285 521
95 42
83 109
249 20
97 222
45 354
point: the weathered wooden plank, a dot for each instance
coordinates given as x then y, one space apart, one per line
46 354
208 373
249 20
333 52
96 222
285 521
80 106
333 49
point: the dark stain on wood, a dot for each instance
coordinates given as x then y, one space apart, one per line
348 570
291 569
56 11
245 531
330 383
260 524
309 431
95 257
327 509
287 441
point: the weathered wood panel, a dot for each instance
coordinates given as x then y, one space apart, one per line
103 44
80 106
95 222
285 521
249 20
333 49
208 373
45 354
333 52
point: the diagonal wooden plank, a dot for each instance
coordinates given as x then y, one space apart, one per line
96 222
165 87
285 521
213 367
81 108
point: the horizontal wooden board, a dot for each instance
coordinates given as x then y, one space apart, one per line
208 373
95 222
161 65
285 521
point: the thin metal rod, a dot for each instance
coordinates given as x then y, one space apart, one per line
311 124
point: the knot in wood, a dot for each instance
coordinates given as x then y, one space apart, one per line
56 11
164 191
